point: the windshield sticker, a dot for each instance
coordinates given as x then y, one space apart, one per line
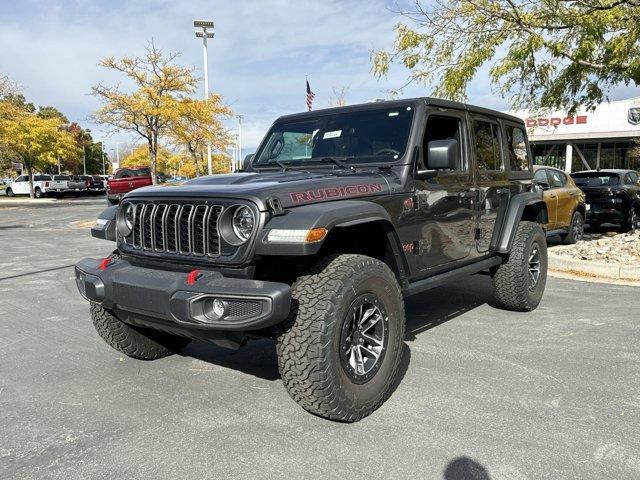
333 134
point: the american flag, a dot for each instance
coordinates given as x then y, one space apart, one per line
310 96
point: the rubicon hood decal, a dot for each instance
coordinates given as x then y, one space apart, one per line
335 192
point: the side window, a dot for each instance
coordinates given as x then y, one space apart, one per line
557 179
22 178
442 127
632 178
541 176
517 147
487 145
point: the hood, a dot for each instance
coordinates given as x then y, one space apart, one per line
292 188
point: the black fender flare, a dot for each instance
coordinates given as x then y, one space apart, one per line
515 210
343 213
105 227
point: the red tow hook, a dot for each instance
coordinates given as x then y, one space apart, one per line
193 277
105 263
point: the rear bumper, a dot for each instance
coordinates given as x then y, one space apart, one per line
603 214
164 300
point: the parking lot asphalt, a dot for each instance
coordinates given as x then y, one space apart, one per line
485 394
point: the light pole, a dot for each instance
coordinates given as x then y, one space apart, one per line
102 150
239 164
118 154
84 160
204 34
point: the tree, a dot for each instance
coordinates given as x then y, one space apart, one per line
197 124
36 142
153 105
338 96
140 157
543 54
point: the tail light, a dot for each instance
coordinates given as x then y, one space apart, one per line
46 184
86 183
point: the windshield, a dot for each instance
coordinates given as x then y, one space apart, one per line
596 179
368 136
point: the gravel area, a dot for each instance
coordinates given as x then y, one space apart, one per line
607 247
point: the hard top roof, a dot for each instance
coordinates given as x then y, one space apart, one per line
429 101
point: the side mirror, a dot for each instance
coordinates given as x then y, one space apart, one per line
442 154
246 163
543 185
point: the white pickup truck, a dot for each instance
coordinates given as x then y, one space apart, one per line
42 184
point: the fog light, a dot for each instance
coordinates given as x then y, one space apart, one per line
218 307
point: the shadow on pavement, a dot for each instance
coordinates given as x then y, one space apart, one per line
37 272
435 307
464 468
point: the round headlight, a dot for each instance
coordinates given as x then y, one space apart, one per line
243 223
128 216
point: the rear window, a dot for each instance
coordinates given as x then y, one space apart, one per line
596 179
62 177
42 178
132 172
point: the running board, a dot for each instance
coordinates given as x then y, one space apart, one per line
451 275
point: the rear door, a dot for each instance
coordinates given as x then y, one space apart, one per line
491 178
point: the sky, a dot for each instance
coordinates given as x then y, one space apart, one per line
258 60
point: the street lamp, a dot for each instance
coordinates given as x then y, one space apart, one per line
204 33
102 151
239 164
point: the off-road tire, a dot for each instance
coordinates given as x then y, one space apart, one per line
512 284
10 193
37 193
143 344
576 230
309 344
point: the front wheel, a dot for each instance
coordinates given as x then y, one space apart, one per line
519 282
340 349
10 193
576 230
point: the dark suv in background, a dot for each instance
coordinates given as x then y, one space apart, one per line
613 196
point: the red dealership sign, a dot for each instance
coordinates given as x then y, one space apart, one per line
555 121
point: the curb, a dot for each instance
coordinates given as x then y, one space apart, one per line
593 269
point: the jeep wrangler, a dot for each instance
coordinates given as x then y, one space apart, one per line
339 215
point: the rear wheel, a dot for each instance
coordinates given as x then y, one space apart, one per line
340 349
37 192
519 282
140 343
633 218
576 229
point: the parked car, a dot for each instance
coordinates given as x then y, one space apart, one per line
565 203
340 215
42 185
613 196
126 180
94 183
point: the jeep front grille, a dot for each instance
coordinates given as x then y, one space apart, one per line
176 229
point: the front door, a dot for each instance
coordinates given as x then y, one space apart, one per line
550 197
444 205
566 196
491 178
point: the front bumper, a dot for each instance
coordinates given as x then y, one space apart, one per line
167 301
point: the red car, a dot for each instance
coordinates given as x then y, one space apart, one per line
126 180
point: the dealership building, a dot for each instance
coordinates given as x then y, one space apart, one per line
607 137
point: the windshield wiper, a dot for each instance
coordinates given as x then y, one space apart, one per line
338 162
282 165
